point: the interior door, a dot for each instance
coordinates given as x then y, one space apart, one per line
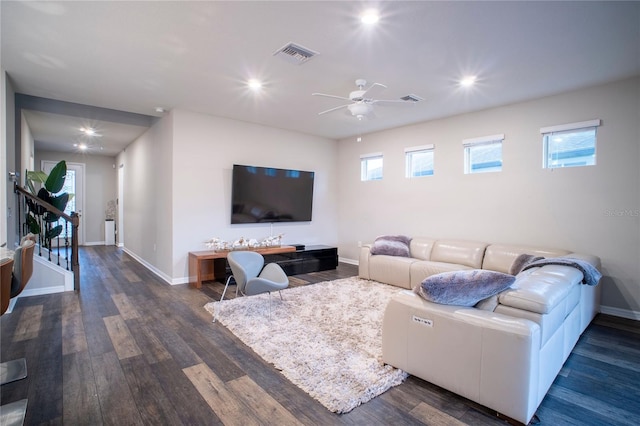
74 184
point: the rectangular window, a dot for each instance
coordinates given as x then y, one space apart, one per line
483 154
569 145
419 161
371 167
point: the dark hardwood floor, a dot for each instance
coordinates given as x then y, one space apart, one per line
130 349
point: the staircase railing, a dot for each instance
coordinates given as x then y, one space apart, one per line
62 250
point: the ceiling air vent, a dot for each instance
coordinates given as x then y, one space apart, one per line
295 53
412 98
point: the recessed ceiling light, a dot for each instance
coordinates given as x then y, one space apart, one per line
82 147
160 110
468 81
370 17
88 131
254 84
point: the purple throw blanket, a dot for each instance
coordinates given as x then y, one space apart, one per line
591 275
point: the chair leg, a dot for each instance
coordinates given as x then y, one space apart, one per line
13 413
10 371
225 287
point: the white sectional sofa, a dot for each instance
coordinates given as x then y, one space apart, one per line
504 353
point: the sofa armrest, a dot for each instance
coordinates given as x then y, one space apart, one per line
487 357
363 262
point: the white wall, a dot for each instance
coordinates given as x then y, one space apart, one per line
8 232
3 157
205 149
26 148
148 227
178 187
588 209
100 187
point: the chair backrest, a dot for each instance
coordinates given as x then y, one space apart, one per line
5 284
22 267
244 266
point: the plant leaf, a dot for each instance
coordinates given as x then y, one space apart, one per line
54 232
32 223
56 178
60 201
51 217
40 177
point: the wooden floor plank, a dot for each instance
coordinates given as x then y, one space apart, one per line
73 335
227 406
125 307
80 396
29 323
262 405
123 342
432 416
116 401
150 396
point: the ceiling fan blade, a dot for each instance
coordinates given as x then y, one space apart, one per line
391 101
333 109
372 86
330 96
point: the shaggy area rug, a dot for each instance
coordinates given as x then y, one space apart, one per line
326 338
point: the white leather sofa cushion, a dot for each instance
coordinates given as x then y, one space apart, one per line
424 268
540 290
421 247
468 253
500 257
392 270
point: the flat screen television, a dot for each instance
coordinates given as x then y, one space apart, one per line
267 194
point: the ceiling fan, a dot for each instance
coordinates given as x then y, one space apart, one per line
361 105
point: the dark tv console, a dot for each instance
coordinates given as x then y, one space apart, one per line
310 259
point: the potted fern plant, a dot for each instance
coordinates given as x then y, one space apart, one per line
39 220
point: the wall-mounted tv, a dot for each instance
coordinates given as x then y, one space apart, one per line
267 194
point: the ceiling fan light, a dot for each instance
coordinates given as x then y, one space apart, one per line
359 110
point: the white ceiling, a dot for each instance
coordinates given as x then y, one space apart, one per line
135 56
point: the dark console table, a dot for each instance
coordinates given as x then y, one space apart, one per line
309 259
211 265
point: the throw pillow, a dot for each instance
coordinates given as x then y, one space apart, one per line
463 288
391 245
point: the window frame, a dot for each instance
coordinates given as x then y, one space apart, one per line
549 132
365 171
408 160
469 144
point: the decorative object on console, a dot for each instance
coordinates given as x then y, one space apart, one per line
391 245
242 243
465 287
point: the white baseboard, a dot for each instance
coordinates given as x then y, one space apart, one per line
150 267
348 261
622 313
94 243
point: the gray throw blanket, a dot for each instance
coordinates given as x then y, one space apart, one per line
591 276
